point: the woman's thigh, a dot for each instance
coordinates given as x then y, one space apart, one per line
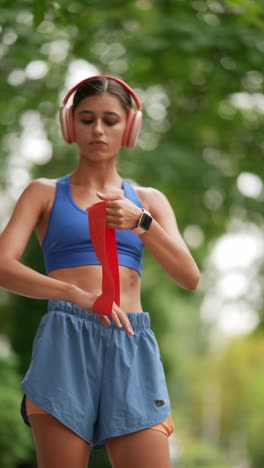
56 445
142 449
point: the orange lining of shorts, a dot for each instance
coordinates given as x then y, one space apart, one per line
165 426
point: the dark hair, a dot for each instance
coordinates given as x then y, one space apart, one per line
103 85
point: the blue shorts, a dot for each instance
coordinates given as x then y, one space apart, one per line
100 382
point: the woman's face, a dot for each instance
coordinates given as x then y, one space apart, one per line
99 124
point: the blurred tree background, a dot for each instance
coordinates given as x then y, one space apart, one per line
198 69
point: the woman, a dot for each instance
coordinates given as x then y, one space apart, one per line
95 376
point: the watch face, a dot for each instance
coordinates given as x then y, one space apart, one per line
146 221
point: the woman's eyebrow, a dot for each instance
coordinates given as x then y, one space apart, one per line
106 112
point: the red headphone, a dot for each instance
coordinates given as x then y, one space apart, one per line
134 119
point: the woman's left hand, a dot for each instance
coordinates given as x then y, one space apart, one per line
121 213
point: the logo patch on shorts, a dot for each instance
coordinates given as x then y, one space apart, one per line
160 402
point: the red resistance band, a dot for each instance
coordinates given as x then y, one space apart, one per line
104 242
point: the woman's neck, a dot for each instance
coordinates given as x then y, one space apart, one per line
96 177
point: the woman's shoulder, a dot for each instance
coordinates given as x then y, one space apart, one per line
150 196
42 184
142 190
41 189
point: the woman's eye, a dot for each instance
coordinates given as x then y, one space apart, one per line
111 122
86 122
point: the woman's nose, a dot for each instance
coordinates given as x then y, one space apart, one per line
98 128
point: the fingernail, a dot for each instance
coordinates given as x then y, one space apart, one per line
131 332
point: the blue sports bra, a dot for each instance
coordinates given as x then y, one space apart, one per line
67 242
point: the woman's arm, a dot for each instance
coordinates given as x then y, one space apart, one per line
16 277
166 244
20 279
163 239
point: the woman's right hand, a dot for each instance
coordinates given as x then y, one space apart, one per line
120 318
85 300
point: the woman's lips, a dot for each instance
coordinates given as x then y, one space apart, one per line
98 143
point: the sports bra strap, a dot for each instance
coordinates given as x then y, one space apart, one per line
104 242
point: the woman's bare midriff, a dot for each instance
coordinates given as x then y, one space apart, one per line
89 278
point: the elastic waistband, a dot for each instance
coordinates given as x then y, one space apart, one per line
138 320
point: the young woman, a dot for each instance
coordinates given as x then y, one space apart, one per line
96 375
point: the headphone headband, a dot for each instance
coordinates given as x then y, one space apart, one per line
117 80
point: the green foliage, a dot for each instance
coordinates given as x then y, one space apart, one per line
197 454
39 10
99 459
190 58
15 441
232 389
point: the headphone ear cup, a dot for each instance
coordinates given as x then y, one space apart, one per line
135 129
66 123
63 123
133 126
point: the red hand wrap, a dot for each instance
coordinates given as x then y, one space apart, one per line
104 242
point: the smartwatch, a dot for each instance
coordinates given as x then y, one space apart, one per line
144 222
